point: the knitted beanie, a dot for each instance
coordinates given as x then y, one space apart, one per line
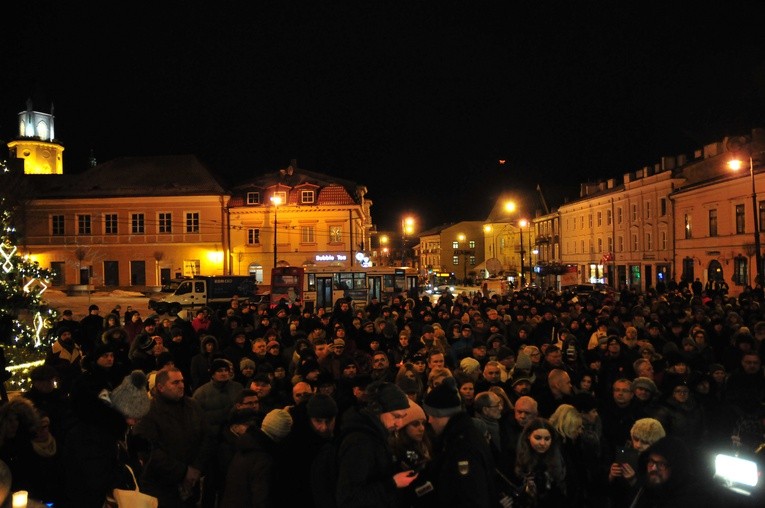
389 396
415 413
246 362
131 397
444 399
470 365
277 424
322 405
645 383
220 363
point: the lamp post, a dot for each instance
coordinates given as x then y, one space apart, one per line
735 165
407 227
276 200
522 224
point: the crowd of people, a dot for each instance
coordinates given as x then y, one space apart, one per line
537 398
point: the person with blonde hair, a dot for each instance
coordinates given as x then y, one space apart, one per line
622 475
568 424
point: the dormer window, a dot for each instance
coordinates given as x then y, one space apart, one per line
280 196
307 197
253 198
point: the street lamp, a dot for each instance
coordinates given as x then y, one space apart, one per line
461 239
276 201
522 224
384 249
735 165
407 227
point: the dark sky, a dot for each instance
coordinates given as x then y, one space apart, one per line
416 100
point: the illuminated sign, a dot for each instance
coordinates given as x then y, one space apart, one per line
331 257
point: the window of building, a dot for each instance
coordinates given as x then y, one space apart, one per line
282 196
610 244
600 245
307 234
84 225
634 212
307 196
687 227
620 243
455 245
192 222
634 243
608 217
581 222
253 198
137 224
472 260
582 245
713 222
589 221
647 209
455 260
761 222
662 207
648 242
740 223
600 219
471 244
110 224
740 275
253 236
57 225
165 222
663 240
335 234
591 246
688 269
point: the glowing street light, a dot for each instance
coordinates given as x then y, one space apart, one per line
407 228
276 200
735 165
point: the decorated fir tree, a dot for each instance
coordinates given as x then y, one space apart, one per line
24 317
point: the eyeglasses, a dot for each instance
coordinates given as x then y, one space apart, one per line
658 464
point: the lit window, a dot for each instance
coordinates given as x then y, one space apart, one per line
335 234
253 236
307 234
307 196
455 260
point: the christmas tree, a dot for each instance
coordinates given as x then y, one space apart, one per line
24 317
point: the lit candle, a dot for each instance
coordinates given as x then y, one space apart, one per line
20 499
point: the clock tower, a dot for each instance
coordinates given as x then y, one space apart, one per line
36 143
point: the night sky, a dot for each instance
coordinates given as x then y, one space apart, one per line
416 100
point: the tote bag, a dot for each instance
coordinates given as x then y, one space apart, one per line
133 498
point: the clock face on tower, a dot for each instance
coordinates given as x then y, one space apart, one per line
45 153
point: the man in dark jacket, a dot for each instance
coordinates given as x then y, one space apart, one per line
365 462
463 467
250 479
181 445
669 479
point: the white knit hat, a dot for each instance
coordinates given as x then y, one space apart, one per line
277 424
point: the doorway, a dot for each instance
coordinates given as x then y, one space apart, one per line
111 273
138 273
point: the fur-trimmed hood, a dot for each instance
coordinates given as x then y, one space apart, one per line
23 411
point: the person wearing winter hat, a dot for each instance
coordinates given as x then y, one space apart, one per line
669 476
364 458
322 414
465 475
131 397
644 388
252 472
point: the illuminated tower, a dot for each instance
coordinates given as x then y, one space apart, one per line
37 144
